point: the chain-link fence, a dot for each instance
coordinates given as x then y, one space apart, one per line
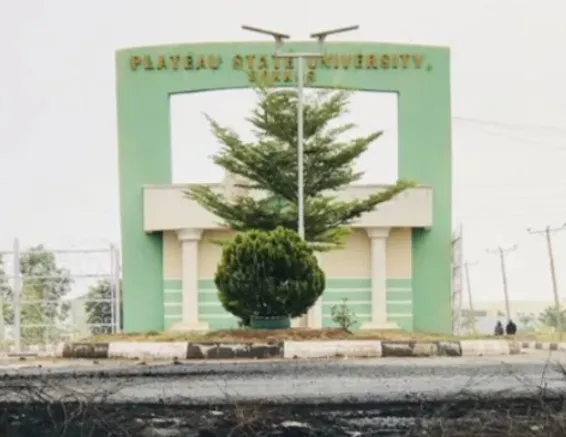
50 296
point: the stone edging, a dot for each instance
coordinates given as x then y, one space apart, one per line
547 345
288 349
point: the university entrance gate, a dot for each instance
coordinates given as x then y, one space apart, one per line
148 76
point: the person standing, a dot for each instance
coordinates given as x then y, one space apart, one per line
511 328
498 328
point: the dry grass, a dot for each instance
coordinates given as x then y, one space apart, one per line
498 424
268 335
300 334
542 336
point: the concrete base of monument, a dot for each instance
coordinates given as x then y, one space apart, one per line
299 322
188 327
380 326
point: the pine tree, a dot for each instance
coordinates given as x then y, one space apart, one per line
98 307
269 164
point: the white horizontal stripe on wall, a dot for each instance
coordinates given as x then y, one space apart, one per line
217 316
328 302
332 290
398 289
329 316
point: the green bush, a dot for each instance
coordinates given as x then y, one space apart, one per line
268 274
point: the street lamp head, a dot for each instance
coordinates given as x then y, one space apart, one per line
322 35
277 35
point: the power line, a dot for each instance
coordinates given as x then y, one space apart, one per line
524 183
505 216
519 195
502 252
547 232
456 245
508 125
524 141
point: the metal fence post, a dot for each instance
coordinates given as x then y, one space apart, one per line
117 310
3 282
17 296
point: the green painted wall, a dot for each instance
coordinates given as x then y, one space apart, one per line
356 290
145 152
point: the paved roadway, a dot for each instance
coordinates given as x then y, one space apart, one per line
375 380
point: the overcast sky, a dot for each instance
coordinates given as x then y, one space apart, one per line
58 170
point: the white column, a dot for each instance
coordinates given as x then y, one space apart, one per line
378 240
189 240
314 316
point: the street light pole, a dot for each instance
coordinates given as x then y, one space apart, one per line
279 39
300 150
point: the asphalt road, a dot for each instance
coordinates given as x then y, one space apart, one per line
379 380
338 398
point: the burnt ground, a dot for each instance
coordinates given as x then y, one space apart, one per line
526 416
425 398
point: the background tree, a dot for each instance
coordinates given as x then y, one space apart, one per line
4 287
527 321
268 274
270 164
5 298
99 307
7 310
549 317
44 285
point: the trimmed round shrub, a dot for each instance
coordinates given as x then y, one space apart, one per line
268 274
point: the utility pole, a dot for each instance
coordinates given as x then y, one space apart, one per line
548 231
501 252
469 290
279 39
457 277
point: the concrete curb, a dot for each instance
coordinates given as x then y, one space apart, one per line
170 350
289 349
547 345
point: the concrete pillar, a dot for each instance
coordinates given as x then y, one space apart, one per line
378 240
314 316
189 239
